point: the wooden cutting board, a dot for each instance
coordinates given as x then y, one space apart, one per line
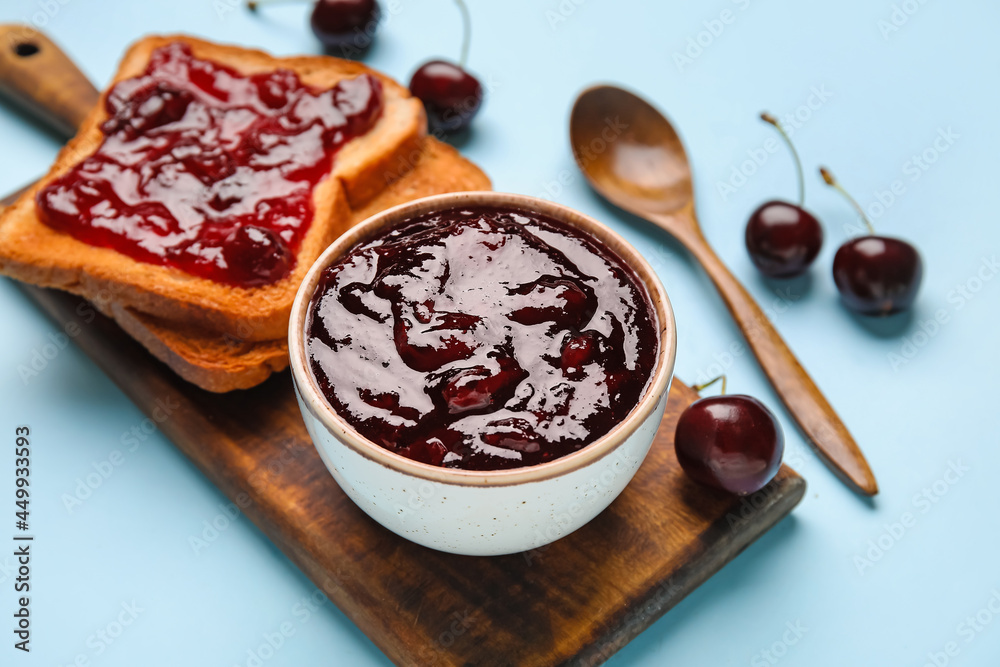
576 601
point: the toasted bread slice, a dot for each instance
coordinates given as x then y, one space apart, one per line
33 252
223 363
211 361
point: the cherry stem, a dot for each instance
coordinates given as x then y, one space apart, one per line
768 118
252 5
466 32
832 182
699 387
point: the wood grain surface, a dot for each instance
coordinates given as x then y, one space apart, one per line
576 601
37 75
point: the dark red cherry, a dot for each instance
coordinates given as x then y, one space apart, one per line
730 442
877 275
451 95
783 239
151 107
256 255
429 450
561 301
579 351
345 24
478 388
276 88
511 433
427 340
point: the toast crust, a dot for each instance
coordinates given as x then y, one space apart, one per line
207 360
33 252
224 363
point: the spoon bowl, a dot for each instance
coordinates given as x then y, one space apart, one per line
629 151
632 155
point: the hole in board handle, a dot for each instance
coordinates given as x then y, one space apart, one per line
26 49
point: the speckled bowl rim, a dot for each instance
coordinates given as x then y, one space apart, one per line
314 401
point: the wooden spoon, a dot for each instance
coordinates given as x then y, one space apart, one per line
633 157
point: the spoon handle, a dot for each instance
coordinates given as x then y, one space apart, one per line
817 419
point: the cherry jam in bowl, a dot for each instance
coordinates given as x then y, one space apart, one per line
482 373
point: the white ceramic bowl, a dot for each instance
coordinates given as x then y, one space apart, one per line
471 512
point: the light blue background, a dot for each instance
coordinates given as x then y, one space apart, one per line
889 96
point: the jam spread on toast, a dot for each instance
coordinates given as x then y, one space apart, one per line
482 339
209 171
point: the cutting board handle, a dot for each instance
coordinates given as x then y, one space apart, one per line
36 74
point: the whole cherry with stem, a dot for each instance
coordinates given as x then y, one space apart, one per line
782 238
730 442
876 275
450 94
347 25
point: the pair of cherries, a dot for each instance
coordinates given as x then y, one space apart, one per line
450 94
876 275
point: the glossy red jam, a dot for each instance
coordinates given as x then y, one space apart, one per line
209 171
482 339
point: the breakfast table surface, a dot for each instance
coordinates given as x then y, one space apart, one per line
145 563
